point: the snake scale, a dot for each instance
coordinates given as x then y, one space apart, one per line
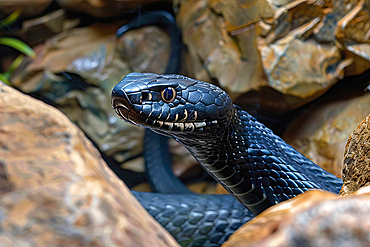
256 166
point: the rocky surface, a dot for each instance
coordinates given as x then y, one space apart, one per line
297 48
266 225
27 7
356 167
213 52
55 188
315 218
146 49
321 133
37 30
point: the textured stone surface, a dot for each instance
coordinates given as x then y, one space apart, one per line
356 169
214 53
321 133
315 218
28 7
38 30
353 33
146 49
298 48
56 190
268 222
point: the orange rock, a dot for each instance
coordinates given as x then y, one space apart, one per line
56 189
268 223
315 218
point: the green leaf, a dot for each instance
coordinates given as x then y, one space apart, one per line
11 18
4 80
18 45
15 64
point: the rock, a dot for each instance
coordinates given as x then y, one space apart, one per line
37 30
265 225
214 53
27 7
353 34
315 218
296 48
321 133
146 49
356 159
300 75
56 189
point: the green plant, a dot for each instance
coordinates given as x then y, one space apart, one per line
10 19
16 44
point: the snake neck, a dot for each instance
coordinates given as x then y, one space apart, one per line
218 148
257 167
222 153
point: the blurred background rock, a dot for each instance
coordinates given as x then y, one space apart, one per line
300 67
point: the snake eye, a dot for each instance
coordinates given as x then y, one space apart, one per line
168 94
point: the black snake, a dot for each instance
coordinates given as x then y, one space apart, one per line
257 167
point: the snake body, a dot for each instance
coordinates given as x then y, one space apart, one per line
195 219
257 167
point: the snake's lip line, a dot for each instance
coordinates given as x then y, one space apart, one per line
183 126
121 106
198 124
127 119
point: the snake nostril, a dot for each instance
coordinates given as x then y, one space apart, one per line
144 95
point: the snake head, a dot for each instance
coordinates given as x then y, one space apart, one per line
171 103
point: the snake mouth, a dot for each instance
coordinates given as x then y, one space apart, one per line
125 109
122 106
